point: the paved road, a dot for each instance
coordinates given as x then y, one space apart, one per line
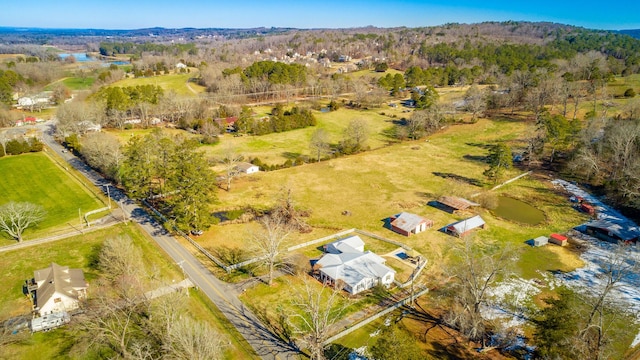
264 343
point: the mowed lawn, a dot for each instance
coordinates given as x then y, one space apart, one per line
179 83
36 179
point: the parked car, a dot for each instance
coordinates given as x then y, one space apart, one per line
197 232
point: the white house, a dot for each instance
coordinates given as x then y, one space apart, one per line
58 289
351 244
88 126
355 270
247 168
181 66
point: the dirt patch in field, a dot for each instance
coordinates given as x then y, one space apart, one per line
570 259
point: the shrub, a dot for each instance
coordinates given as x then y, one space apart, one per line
629 93
17 147
234 214
35 145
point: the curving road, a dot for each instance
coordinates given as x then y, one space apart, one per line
265 344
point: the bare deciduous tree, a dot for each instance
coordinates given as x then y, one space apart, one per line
317 308
230 159
618 267
475 102
269 242
189 339
16 217
103 152
476 270
319 144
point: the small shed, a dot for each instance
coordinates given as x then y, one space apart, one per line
455 203
463 227
247 168
407 223
558 239
540 241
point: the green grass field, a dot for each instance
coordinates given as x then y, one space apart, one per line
276 148
81 252
171 82
79 83
35 178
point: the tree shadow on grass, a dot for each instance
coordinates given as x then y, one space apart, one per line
476 158
291 155
470 181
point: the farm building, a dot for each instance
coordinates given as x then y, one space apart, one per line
247 168
540 241
558 239
57 289
463 227
351 244
353 269
613 232
228 124
407 223
454 203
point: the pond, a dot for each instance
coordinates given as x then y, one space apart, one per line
518 211
80 57
83 57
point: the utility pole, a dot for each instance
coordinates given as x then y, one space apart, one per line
124 213
108 196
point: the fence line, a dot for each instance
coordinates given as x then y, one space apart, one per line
376 316
397 243
86 215
413 275
312 242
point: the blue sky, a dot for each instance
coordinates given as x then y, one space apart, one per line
134 14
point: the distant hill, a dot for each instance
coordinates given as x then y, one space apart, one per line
633 32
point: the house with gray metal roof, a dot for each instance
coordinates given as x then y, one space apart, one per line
353 269
612 231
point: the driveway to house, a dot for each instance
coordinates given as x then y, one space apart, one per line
265 344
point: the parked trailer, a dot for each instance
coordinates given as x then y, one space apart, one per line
51 321
587 208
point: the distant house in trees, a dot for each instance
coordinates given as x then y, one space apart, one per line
57 289
88 126
227 124
180 66
346 264
407 223
247 168
464 227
